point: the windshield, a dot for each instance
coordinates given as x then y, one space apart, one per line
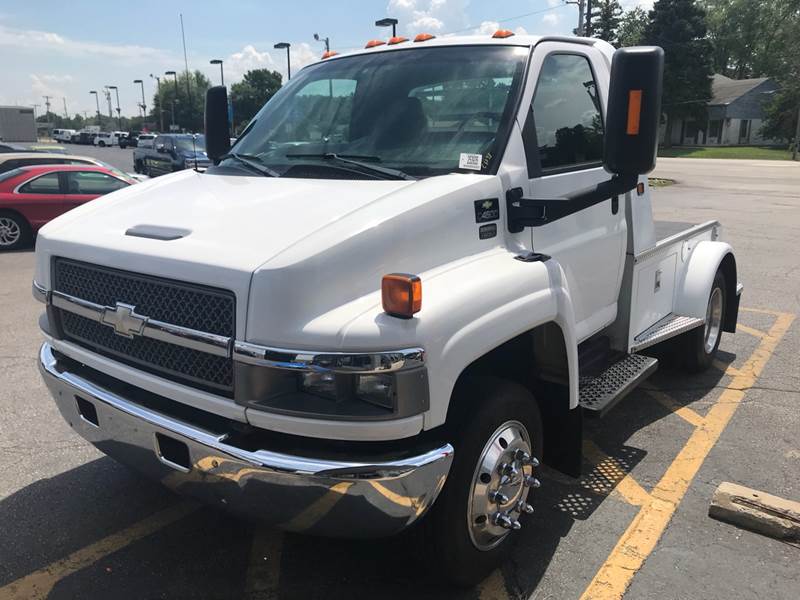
186 144
424 112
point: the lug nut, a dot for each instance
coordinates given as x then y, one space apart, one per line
531 481
506 522
498 497
508 469
522 456
524 507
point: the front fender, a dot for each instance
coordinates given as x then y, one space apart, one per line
476 306
694 286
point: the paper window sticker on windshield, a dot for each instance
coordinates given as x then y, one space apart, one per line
470 161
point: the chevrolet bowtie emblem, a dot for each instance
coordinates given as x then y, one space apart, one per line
487 204
124 320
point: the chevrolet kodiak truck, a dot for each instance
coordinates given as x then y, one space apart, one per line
398 294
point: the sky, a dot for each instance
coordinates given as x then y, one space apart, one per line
65 49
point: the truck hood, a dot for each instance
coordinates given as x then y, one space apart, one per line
235 230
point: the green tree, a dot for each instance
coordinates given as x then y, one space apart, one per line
188 98
752 39
679 27
606 18
632 26
250 94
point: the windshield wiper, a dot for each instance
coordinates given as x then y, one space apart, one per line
254 162
349 159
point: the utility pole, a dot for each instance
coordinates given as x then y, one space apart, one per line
66 114
107 92
588 29
97 101
581 6
160 102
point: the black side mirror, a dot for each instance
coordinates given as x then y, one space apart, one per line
218 137
634 110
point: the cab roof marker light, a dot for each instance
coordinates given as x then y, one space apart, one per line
328 54
424 37
373 43
502 33
397 40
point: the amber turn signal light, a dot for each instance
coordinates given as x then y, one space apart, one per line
423 37
373 43
328 54
634 111
401 294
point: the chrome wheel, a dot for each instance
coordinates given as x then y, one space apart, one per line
10 232
500 485
713 325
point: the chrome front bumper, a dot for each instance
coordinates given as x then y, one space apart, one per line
295 493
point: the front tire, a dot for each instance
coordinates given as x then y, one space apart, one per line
497 439
700 345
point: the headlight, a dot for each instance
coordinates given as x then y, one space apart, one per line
335 392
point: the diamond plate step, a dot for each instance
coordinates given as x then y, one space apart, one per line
668 327
598 394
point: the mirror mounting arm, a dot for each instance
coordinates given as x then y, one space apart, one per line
535 212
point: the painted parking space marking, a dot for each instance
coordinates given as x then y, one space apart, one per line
672 405
264 569
640 538
40 583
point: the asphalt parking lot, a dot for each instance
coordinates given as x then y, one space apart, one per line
76 524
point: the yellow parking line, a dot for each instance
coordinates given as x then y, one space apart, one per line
643 533
493 587
612 470
726 368
40 583
750 331
762 311
672 405
264 569
320 507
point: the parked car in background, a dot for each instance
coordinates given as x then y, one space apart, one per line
85 138
31 196
128 139
145 140
10 161
63 135
5 147
172 152
108 138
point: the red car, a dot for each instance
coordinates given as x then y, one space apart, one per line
32 196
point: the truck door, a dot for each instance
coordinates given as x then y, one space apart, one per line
562 124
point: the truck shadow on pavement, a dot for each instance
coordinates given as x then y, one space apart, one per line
65 536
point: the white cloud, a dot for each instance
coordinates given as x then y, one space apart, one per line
38 41
487 28
550 19
430 16
249 57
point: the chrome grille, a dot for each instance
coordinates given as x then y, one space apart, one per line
200 308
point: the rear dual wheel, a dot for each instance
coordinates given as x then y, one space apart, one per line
699 347
497 440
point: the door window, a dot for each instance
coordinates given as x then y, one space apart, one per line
46 184
92 182
566 114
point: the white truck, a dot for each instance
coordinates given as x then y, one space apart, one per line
415 272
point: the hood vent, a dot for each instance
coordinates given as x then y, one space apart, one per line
158 232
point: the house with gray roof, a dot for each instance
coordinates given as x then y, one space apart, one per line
734 117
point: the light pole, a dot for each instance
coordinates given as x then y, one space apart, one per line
97 100
160 103
175 99
388 22
218 61
119 112
326 41
280 46
144 106
581 4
